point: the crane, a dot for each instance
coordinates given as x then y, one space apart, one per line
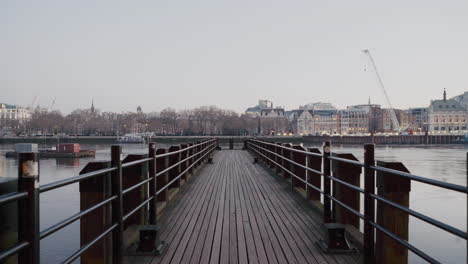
393 116
33 102
51 105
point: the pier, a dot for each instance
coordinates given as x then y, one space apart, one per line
204 202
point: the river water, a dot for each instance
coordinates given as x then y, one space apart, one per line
445 162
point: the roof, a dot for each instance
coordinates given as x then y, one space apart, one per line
445 106
7 106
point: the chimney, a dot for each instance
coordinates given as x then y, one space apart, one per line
445 95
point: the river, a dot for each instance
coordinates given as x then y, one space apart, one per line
443 162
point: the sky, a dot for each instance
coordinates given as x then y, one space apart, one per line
184 54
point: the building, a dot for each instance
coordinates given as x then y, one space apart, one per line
446 116
462 100
359 119
13 113
265 109
419 118
317 118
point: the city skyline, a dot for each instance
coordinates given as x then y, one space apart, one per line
185 55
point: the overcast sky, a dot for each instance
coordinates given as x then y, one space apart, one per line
186 53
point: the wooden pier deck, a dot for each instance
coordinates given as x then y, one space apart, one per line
234 211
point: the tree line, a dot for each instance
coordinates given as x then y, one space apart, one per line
205 120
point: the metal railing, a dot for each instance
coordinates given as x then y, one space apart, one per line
267 151
27 197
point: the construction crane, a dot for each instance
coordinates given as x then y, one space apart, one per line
33 102
393 116
51 105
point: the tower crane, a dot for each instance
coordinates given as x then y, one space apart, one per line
393 116
51 105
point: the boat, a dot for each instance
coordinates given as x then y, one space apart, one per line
66 150
131 138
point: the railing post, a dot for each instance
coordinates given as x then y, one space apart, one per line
231 143
326 182
396 189
92 191
28 209
153 186
117 204
369 204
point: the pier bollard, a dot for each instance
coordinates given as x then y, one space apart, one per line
28 208
131 176
272 149
351 174
174 172
92 191
298 170
183 166
161 164
395 189
313 178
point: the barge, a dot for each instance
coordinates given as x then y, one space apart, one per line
68 150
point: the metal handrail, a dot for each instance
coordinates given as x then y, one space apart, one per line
61 183
64 223
11 197
182 173
427 219
13 250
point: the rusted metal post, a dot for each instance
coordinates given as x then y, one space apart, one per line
326 183
174 172
369 204
153 185
287 164
28 209
298 170
351 174
131 176
92 191
396 189
117 204
313 178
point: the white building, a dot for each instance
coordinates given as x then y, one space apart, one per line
447 116
13 112
265 109
462 100
317 118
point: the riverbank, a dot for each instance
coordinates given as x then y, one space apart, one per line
379 140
